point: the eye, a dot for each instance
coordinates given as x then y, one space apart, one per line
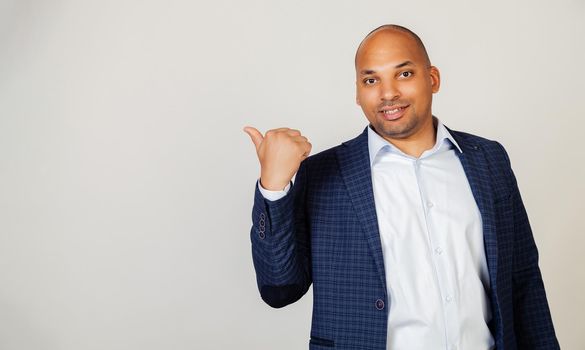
369 81
406 74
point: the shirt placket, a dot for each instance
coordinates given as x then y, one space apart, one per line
439 255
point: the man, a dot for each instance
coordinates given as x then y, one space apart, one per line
413 235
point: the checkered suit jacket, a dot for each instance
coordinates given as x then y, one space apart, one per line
325 232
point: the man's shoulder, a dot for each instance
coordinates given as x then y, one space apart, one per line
471 141
492 150
324 157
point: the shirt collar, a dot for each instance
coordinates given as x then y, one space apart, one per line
376 142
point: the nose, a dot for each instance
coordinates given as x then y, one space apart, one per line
389 91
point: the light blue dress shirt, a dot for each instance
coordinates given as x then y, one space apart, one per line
432 242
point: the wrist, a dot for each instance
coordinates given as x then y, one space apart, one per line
273 185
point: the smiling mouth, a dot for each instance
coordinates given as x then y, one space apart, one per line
394 113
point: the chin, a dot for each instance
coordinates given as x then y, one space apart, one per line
396 131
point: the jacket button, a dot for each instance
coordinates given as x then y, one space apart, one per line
261 234
379 304
262 216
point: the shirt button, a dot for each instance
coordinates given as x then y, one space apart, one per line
438 250
449 299
379 304
430 204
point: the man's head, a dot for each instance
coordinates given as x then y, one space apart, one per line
395 82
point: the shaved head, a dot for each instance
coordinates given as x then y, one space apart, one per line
399 29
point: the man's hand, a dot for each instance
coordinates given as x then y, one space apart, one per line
280 153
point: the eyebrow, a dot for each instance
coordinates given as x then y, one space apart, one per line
403 64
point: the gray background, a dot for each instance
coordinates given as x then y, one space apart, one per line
126 182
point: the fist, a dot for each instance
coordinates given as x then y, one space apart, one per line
280 152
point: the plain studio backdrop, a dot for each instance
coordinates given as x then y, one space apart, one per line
126 182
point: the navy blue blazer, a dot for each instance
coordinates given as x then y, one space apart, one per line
325 232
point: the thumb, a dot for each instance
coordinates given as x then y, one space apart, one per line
255 135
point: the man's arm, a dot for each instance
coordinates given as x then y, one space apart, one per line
532 320
281 245
280 240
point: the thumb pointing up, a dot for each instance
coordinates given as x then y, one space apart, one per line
255 135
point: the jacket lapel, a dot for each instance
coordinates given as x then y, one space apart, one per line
354 166
477 171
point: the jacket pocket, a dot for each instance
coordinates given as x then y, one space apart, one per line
322 342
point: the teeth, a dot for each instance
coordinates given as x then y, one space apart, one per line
392 111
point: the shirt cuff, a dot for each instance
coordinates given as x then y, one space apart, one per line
273 195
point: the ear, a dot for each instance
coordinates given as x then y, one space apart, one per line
357 99
435 77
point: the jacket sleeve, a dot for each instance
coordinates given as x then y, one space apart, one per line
532 320
281 249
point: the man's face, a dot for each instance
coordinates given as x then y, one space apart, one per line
395 84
